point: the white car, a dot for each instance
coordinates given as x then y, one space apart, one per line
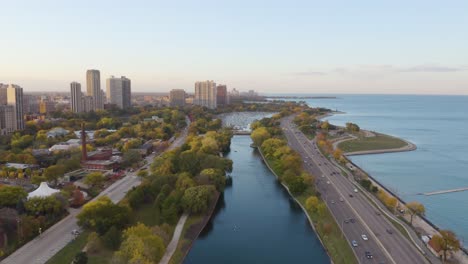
328 182
354 243
355 190
364 237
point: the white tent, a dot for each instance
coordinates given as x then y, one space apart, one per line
43 191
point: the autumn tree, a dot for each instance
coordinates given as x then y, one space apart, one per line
94 179
447 241
337 154
140 245
52 173
259 135
311 203
415 208
102 214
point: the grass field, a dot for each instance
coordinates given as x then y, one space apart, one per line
378 142
67 253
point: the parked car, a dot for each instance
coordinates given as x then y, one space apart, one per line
75 232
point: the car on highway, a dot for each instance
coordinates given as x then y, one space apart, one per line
352 220
333 201
354 243
346 221
351 195
75 232
364 237
368 255
377 213
355 190
341 199
389 231
328 182
323 175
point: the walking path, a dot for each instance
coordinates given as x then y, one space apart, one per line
175 240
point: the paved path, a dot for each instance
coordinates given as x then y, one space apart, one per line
43 247
175 240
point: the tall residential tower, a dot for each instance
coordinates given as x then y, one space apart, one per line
118 91
93 86
15 99
205 94
76 102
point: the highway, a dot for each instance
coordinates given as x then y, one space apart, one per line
43 247
385 243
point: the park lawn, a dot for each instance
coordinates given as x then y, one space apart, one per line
66 254
101 257
380 141
192 220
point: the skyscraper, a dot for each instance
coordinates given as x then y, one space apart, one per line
118 91
177 97
3 94
15 99
222 95
7 119
88 103
93 86
76 101
205 94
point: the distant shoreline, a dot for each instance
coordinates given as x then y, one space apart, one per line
301 97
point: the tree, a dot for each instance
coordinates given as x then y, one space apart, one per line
415 208
112 238
337 154
447 241
80 258
196 199
50 206
140 245
52 173
77 198
259 135
10 196
93 244
94 179
102 214
391 202
311 203
321 209
131 157
325 125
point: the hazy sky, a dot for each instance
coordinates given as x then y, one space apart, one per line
272 46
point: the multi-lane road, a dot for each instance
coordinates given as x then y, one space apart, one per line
351 209
43 247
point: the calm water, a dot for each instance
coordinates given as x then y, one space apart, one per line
438 125
256 222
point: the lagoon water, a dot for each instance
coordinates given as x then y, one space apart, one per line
438 125
256 221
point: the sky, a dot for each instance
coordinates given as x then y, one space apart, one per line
389 47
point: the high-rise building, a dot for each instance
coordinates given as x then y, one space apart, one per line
119 92
76 100
3 94
7 119
205 94
93 87
88 103
177 97
15 98
222 97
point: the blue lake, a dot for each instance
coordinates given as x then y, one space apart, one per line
438 125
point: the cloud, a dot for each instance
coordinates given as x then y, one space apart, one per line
431 68
309 73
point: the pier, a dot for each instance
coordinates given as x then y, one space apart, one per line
445 191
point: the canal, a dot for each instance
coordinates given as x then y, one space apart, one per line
256 221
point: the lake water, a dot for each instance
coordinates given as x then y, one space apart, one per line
438 125
256 221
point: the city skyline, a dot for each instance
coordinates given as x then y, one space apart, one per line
305 47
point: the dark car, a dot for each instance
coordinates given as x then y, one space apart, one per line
368 255
350 195
389 231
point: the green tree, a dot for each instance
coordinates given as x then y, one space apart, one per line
93 244
94 179
196 199
80 258
321 209
112 238
447 241
259 135
416 208
140 245
102 214
10 196
52 173
50 205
